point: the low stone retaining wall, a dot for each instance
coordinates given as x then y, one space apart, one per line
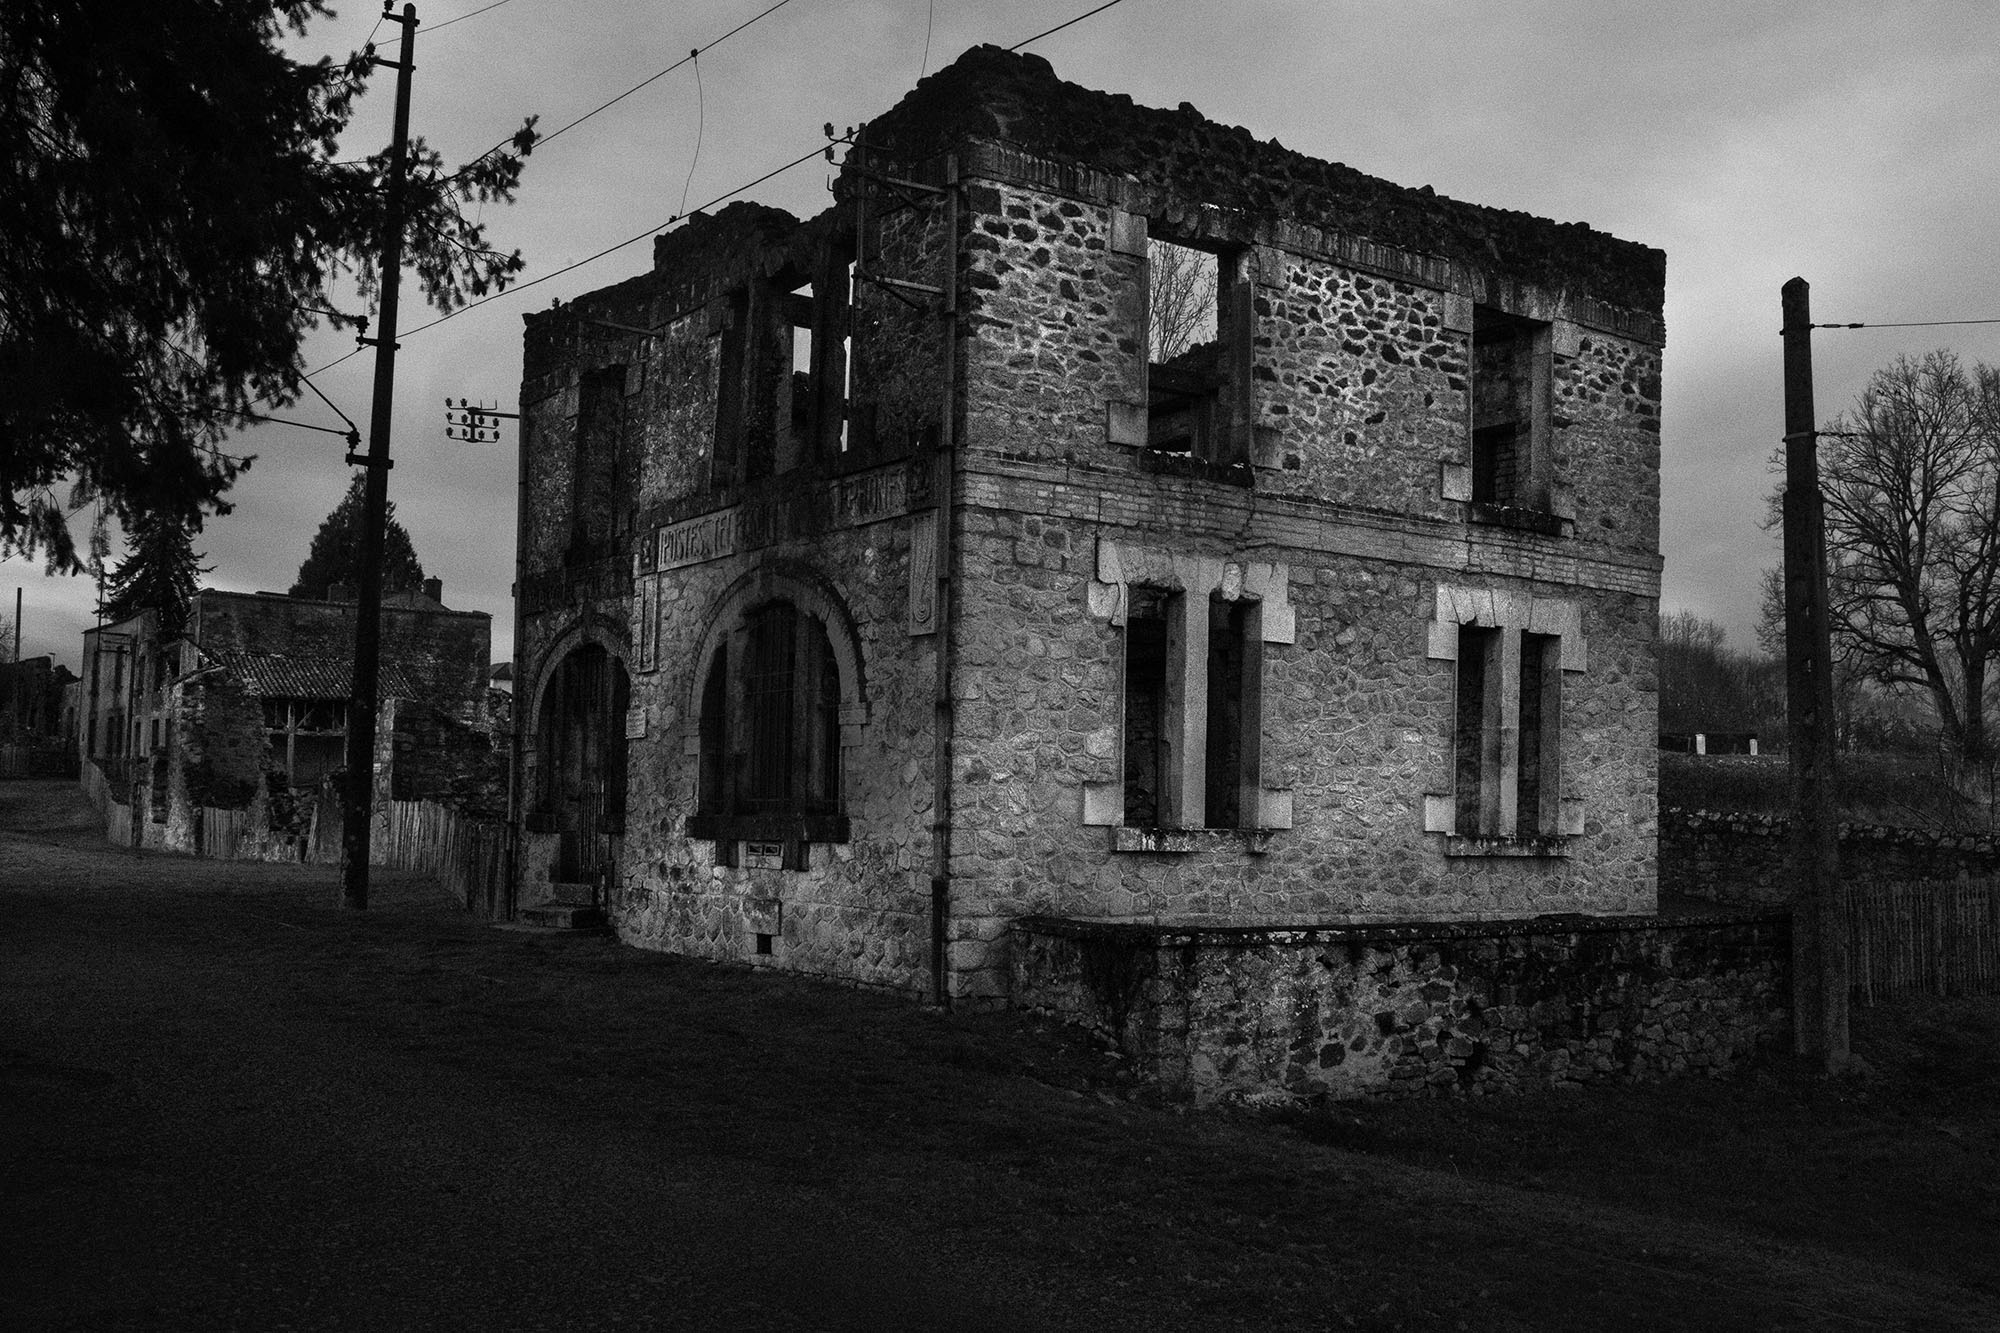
1378 1011
1740 858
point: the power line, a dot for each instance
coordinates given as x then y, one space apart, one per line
700 125
1912 324
463 17
611 249
545 139
1060 26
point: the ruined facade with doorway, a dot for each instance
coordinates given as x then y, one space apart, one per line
887 582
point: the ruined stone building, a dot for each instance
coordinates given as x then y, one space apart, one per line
245 709
37 725
885 580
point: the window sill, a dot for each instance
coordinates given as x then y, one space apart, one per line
1520 518
1545 846
1183 841
1180 463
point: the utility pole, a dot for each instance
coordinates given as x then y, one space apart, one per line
375 495
1819 921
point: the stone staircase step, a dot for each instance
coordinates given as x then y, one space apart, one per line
564 916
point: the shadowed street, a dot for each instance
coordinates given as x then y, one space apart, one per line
229 1105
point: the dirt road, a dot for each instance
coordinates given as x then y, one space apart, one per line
226 1104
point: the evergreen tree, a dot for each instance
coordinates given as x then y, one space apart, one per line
159 572
175 213
335 555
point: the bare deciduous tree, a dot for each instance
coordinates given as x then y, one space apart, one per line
1705 686
1913 538
1180 307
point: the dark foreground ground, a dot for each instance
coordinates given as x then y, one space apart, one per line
225 1104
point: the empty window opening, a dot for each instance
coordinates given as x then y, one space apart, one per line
1146 732
731 415
1538 805
818 350
1477 740
1224 760
1506 734
1181 299
843 373
710 798
1510 409
763 943
308 737
597 488
1186 361
770 721
1191 746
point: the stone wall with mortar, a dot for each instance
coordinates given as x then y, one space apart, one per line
1741 858
1356 728
833 533
1361 398
860 909
1417 1011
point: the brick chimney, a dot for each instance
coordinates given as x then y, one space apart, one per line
434 589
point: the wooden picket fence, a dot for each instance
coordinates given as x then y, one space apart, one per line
468 856
1934 937
222 832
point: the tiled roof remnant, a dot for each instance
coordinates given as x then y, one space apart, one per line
285 676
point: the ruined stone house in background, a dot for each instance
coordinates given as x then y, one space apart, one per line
879 589
218 740
37 719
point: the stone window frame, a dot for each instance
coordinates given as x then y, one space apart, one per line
1542 505
1513 618
1263 588
727 629
761 428
1241 268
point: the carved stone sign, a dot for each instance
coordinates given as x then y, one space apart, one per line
845 502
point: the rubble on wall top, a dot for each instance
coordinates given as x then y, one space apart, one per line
992 94
736 235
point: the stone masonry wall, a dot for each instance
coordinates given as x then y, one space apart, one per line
1416 1011
1741 858
1361 382
1356 725
860 911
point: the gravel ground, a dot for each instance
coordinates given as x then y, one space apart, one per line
227 1104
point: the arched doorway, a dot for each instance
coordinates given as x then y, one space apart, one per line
580 762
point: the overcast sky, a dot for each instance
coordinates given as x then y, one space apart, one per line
1851 143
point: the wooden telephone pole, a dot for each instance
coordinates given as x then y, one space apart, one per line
375 496
1819 921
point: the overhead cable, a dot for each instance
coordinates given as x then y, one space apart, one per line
1060 26
545 139
1912 324
463 17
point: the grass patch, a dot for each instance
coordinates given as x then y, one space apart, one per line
1897 789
